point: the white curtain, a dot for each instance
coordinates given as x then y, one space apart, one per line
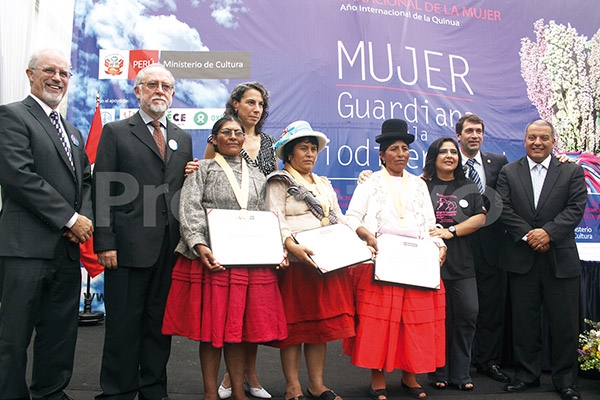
25 26
16 37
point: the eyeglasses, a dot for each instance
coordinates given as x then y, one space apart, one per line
152 85
227 132
51 72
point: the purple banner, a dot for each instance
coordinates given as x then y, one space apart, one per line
347 65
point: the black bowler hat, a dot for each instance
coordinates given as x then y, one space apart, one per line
395 129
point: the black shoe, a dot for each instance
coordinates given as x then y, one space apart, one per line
414 392
326 395
495 373
570 394
465 387
520 386
378 394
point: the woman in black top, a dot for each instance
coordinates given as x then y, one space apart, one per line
459 212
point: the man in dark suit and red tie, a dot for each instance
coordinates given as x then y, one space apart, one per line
543 202
483 168
138 173
46 213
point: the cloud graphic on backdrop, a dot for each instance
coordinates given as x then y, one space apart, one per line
209 92
224 12
134 26
158 4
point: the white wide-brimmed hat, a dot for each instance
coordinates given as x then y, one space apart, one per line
297 130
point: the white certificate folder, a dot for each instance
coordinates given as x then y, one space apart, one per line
407 261
334 247
245 238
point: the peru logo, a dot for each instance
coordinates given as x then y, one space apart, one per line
114 65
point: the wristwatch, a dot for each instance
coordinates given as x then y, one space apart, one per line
452 230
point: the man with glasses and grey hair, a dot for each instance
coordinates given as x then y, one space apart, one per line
47 211
138 174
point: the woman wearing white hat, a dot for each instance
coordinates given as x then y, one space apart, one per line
318 308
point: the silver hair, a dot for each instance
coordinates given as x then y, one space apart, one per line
141 75
34 58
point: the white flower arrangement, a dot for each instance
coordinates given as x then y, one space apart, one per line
562 73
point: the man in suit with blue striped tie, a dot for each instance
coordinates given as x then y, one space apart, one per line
47 210
483 168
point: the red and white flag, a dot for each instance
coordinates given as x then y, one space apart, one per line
89 259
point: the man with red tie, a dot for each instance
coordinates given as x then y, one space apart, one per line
138 173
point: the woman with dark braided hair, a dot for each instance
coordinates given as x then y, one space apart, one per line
226 309
396 327
319 308
249 102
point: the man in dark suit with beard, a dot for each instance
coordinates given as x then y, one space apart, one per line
46 213
138 174
544 201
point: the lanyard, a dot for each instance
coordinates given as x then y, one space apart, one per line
241 193
399 201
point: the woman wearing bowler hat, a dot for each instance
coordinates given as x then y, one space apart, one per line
396 327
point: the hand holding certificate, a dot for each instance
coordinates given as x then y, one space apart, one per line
407 261
334 247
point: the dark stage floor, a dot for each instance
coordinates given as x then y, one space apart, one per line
185 380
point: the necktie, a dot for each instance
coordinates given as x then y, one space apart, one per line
62 136
473 175
159 139
538 182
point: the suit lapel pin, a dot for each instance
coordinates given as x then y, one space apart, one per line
74 140
489 161
173 144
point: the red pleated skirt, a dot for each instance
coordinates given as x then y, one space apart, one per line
396 327
232 306
318 308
